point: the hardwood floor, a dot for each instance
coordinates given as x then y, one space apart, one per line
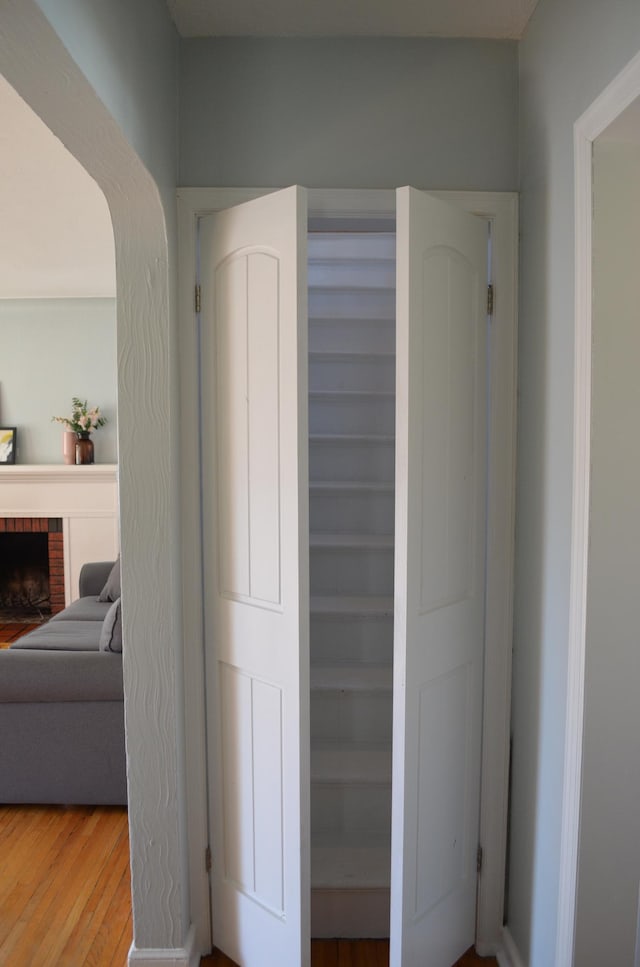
10 631
352 953
64 886
65 895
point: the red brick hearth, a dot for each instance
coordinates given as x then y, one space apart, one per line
52 526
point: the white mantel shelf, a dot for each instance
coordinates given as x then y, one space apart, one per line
54 472
84 497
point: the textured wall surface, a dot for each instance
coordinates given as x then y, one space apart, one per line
348 113
51 350
126 98
572 49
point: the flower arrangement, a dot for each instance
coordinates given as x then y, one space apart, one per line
82 419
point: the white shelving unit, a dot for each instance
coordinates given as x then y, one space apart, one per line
351 461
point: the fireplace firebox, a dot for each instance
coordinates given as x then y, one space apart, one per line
31 566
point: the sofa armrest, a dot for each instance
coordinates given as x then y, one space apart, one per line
93 577
60 676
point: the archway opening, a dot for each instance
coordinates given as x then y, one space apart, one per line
35 61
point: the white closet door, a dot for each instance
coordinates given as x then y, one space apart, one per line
255 497
439 578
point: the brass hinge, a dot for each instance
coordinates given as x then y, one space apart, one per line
479 859
207 859
198 299
489 300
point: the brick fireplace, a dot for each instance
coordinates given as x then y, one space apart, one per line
74 509
52 527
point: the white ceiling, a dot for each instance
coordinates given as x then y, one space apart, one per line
501 19
56 237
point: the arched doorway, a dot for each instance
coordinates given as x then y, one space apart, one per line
37 64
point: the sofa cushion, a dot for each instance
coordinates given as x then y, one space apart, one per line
92 578
111 634
56 676
111 590
63 636
84 609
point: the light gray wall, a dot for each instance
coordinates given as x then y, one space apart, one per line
52 350
609 867
348 113
571 50
102 74
128 52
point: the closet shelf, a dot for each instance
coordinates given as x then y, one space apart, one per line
348 246
372 262
365 763
344 320
350 487
380 356
380 542
352 439
351 678
324 276
351 394
349 289
367 605
344 866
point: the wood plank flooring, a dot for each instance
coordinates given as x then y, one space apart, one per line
65 895
352 953
64 886
10 631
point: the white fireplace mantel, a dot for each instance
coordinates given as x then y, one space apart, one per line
85 497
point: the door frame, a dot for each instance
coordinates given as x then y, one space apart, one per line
501 210
615 98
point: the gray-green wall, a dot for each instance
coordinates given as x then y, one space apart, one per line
348 113
52 350
571 50
609 867
439 114
129 54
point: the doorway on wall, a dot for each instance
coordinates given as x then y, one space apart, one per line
612 104
247 564
604 671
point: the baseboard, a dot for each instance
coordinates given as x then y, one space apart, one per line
354 913
508 954
187 956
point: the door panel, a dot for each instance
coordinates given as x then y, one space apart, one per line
448 416
255 509
439 578
248 420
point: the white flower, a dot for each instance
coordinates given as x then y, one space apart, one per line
82 420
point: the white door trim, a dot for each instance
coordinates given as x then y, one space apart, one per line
617 96
501 210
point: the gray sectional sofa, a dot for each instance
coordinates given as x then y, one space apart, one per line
61 703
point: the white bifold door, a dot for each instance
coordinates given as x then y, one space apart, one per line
255 503
441 325
255 497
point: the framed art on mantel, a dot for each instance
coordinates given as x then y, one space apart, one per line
8 436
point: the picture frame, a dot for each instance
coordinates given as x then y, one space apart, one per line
8 440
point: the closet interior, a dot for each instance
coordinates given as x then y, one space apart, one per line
351 277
